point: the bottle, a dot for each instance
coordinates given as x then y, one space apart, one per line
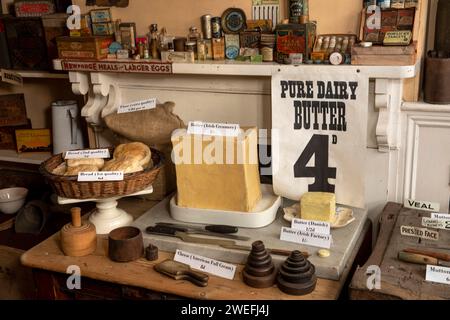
201 50
193 37
154 41
140 44
146 51
162 40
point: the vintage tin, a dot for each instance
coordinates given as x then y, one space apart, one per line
267 54
103 29
33 8
218 48
100 15
122 54
389 18
406 19
294 38
8 136
411 3
231 46
263 25
179 44
216 27
33 140
206 26
384 4
250 39
128 35
84 47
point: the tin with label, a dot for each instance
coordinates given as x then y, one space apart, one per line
206 26
209 52
100 15
216 27
103 29
267 54
231 46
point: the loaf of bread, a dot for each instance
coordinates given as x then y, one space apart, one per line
125 165
60 170
73 171
135 152
85 162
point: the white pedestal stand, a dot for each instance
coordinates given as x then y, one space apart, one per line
107 216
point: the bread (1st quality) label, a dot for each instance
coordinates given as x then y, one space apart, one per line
100 176
88 154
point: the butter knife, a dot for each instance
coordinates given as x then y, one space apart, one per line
199 230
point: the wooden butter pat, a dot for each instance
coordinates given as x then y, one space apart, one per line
318 206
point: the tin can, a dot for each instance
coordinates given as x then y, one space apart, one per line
267 54
218 48
216 27
295 10
206 26
231 46
201 50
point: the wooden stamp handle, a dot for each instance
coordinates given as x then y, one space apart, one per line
76 216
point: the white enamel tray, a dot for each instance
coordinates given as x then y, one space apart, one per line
264 214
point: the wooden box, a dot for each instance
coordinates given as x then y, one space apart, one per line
12 110
386 56
26 43
90 48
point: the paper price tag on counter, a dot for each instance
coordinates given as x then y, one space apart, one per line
88 154
208 265
306 238
138 106
100 176
441 216
213 129
438 274
311 226
436 223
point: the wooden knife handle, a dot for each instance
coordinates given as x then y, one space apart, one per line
437 255
417 258
201 277
193 280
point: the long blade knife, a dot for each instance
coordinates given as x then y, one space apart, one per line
421 259
228 244
198 230
218 228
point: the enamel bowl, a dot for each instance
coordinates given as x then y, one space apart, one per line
12 199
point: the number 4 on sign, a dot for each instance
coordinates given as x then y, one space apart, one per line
318 146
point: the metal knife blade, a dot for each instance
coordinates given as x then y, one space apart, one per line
167 231
189 230
212 227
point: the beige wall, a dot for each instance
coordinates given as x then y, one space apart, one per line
178 15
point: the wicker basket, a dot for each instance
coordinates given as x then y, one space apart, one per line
69 187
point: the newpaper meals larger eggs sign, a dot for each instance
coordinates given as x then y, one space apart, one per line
319 135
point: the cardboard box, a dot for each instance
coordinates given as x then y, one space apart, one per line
103 29
89 48
33 140
101 15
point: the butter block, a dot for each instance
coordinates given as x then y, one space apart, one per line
215 172
318 206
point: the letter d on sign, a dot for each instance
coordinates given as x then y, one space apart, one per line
74 20
74 281
374 279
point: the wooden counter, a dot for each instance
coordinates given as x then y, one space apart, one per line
138 280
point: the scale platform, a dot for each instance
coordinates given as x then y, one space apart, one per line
344 241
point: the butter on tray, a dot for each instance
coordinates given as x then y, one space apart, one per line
318 206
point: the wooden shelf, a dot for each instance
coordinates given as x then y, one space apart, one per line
30 158
40 74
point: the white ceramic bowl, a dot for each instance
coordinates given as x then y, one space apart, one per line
12 199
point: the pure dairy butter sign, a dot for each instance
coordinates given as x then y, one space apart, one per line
319 134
